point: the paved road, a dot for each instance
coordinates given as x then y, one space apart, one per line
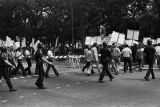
74 89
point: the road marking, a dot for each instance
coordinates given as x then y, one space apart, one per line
67 85
29 76
15 78
21 97
58 87
22 77
85 81
77 83
4 101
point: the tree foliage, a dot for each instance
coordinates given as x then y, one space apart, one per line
56 18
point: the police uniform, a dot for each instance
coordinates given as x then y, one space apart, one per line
3 71
41 73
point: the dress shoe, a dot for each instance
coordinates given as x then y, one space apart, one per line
147 79
100 81
57 74
12 89
43 87
153 78
111 78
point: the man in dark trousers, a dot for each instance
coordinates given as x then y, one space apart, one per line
4 63
50 58
39 61
150 54
105 59
27 56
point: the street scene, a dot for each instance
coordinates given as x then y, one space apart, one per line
79 53
73 88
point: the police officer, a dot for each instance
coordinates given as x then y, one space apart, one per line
39 61
4 63
105 59
150 53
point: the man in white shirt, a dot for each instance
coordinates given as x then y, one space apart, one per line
50 59
95 59
19 57
127 58
27 55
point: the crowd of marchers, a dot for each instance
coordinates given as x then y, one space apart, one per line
112 56
11 61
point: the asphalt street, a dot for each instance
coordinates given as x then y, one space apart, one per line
75 89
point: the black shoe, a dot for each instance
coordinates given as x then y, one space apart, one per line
43 87
92 72
88 74
57 74
153 78
111 78
47 76
12 89
147 79
82 70
100 81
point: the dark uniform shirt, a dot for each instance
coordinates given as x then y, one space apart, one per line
2 60
150 52
38 56
105 54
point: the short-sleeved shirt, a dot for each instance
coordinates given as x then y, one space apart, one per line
116 52
126 52
89 56
38 56
140 53
94 53
2 60
150 52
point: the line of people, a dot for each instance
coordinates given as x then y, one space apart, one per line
12 60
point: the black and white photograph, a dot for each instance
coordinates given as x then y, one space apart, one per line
79 53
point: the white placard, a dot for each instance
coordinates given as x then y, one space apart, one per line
136 35
88 40
130 34
158 40
93 40
99 40
121 38
16 45
114 36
